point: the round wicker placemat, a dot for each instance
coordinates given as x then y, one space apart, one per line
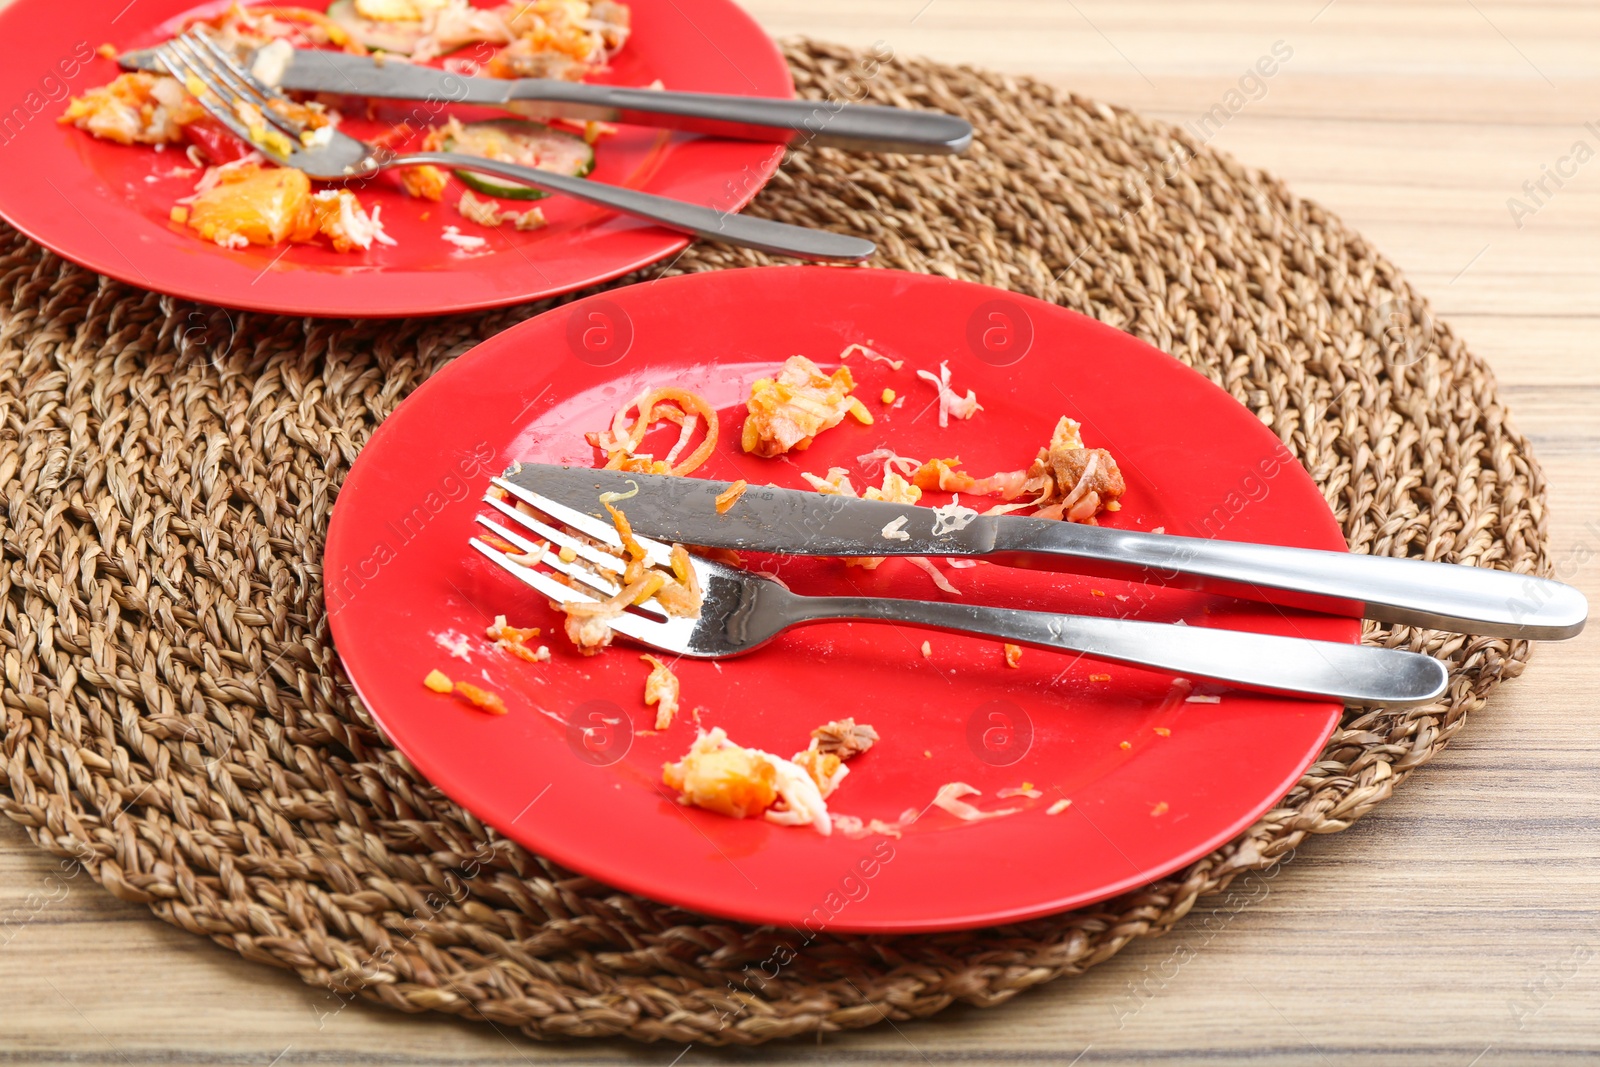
176 720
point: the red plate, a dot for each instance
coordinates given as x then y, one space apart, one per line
106 205
1155 781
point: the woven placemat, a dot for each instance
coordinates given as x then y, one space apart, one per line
175 717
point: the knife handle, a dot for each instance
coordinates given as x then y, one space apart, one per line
1352 674
1441 596
861 127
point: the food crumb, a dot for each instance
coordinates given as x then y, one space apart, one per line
567 553
1125 745
844 738
1013 655
1200 699
661 689
500 630
1097 592
1162 731
481 699
1058 807
927 753
1159 809
927 650
730 496
888 396
438 681
1099 677
523 652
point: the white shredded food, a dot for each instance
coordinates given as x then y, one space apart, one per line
894 364
465 242
895 531
952 517
949 799
950 403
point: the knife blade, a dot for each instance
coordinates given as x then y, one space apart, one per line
1441 596
855 126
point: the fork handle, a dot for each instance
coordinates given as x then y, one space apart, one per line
1353 674
726 226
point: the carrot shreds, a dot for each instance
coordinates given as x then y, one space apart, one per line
620 442
1013 655
498 543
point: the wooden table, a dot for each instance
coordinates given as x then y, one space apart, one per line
1459 924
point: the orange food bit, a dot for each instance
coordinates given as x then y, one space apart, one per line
1099 677
787 412
426 182
1125 745
523 652
481 698
500 631
438 681
1162 731
1098 592
1159 809
499 544
1013 655
256 205
729 497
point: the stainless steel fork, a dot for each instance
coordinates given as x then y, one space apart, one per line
742 611
342 158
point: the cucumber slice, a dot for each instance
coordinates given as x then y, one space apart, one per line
397 37
531 144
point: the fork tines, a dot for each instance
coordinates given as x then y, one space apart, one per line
593 571
230 88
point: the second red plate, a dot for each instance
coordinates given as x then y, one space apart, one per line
106 206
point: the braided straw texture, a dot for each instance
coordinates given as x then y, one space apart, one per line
175 717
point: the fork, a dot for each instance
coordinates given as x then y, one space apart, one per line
742 611
342 158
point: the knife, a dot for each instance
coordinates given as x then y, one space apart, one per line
1441 596
751 118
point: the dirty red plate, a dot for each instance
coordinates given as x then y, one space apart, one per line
106 205
1155 780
